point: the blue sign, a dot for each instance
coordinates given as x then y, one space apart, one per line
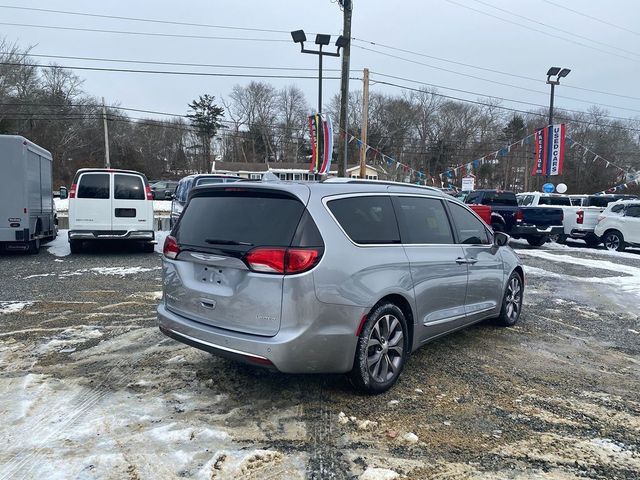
548 188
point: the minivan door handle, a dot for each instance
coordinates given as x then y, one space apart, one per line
466 261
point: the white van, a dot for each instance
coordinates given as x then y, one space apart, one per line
108 204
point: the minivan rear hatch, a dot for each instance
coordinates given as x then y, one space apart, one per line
210 281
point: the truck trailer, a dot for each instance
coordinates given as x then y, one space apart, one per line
27 211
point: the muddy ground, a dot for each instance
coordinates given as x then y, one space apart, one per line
89 388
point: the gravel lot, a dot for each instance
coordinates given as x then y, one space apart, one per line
89 388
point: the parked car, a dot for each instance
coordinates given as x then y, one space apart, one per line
163 189
582 225
534 224
619 225
27 211
109 204
333 277
187 183
563 202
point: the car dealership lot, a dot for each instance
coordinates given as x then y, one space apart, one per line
90 388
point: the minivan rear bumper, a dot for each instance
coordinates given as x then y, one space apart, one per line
316 347
111 235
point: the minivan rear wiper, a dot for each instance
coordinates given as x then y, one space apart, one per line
215 241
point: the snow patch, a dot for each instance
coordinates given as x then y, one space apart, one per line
13 307
372 473
60 245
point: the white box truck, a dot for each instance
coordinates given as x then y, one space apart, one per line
27 211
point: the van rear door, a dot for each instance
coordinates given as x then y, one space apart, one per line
210 282
91 207
130 208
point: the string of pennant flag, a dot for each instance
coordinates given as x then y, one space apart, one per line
389 161
491 157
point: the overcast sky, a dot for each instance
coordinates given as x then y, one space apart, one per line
602 57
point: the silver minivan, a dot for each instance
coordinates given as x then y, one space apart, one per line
333 277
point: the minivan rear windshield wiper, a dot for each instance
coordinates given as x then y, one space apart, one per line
215 241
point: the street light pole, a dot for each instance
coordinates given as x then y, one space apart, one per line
320 80
557 73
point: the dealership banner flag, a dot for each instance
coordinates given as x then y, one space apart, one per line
550 146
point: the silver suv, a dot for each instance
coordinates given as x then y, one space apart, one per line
334 277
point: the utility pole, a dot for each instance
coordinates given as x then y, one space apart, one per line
347 7
365 124
107 161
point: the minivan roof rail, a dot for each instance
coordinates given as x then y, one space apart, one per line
343 180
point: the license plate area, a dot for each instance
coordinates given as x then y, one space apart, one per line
125 212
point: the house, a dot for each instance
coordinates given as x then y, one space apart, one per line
284 170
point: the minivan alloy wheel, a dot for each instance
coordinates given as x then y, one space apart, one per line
514 298
385 348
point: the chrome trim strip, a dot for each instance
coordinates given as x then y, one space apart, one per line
213 345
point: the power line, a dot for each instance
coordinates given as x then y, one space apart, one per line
169 72
553 27
134 19
453 2
592 18
523 77
148 34
491 96
525 112
177 64
493 81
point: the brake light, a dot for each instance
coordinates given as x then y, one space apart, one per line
267 260
72 192
519 216
284 261
149 194
171 248
580 219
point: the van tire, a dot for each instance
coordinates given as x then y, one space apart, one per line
75 246
385 329
33 246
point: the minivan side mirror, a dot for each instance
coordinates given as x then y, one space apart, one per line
64 193
501 239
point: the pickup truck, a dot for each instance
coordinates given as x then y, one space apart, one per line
534 224
555 200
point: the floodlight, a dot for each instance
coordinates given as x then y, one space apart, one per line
299 36
342 42
564 72
322 39
553 71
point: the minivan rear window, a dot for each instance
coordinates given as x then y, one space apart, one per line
367 220
94 185
128 187
239 219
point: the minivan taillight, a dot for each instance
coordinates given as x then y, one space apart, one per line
580 219
72 192
171 248
149 193
284 261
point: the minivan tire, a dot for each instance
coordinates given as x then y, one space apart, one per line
512 299
384 332
75 246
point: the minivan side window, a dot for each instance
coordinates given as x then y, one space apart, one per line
423 221
128 187
367 220
94 185
471 231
